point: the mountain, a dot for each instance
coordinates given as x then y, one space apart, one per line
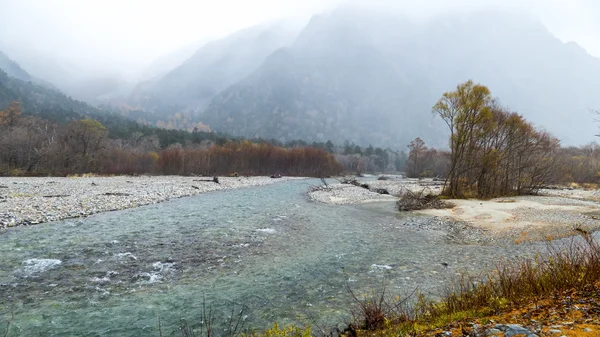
41 100
12 68
336 82
372 77
212 68
170 61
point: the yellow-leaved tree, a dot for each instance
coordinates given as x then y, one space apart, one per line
493 152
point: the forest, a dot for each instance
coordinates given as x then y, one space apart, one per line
34 146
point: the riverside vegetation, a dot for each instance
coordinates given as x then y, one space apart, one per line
529 289
496 152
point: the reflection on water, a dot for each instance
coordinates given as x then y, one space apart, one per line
286 259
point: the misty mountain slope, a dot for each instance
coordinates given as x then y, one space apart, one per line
211 69
334 83
12 68
50 104
41 100
373 78
62 74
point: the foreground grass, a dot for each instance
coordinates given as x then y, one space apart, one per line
513 293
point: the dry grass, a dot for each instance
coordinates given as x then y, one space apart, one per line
377 310
573 267
206 326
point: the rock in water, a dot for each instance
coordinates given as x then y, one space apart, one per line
32 267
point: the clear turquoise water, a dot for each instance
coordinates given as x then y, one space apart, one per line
285 258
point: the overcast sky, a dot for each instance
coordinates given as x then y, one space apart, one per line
132 33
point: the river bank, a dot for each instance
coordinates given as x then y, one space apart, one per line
28 201
551 214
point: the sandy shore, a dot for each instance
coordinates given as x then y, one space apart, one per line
555 212
522 212
37 200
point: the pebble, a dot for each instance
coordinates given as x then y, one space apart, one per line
34 200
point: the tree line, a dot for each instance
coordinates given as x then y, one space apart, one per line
34 146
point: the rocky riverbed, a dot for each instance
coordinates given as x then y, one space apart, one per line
27 201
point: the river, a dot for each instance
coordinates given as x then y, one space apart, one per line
282 257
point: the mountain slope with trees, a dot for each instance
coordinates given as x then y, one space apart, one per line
13 69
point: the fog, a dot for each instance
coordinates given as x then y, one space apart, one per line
100 37
125 36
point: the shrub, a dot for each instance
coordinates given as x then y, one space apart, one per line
413 201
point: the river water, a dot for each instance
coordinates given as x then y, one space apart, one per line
282 257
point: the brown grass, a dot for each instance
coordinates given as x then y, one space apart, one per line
376 310
574 266
413 201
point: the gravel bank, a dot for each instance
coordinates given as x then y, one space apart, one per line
346 194
25 201
553 213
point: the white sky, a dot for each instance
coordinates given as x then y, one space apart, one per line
121 34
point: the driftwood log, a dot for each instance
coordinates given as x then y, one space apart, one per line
213 180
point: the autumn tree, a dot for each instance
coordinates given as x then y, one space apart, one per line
493 152
83 140
463 111
416 156
11 115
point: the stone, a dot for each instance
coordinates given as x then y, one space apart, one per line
493 331
511 330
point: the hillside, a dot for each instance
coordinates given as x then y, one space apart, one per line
41 101
12 68
54 106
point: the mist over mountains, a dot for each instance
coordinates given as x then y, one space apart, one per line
212 68
366 76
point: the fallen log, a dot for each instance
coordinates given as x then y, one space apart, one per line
118 194
214 180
